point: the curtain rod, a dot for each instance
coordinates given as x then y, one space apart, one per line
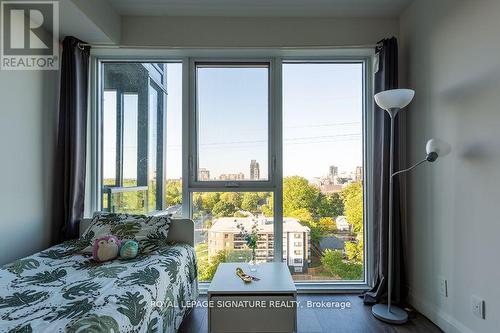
159 47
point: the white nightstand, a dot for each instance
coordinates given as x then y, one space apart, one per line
268 305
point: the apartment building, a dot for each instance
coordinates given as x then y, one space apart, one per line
254 170
204 174
232 176
225 235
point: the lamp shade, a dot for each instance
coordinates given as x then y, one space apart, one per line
394 99
437 146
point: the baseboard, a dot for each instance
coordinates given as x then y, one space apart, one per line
443 320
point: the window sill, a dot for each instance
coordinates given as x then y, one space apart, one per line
314 288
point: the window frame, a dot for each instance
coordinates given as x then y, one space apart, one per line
235 185
94 187
274 184
367 144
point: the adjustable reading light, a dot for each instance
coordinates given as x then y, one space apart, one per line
436 148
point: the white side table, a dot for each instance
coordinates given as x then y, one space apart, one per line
268 305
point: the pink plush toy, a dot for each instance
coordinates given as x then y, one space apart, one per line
106 248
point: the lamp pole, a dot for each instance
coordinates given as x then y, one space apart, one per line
388 313
392 113
393 101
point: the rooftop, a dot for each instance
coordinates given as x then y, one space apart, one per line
229 224
331 242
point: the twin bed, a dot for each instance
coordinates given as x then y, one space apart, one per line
63 290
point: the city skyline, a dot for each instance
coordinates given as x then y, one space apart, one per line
205 174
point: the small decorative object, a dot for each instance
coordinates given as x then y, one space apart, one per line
129 249
245 277
106 248
251 239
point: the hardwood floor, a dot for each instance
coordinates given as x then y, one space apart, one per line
357 319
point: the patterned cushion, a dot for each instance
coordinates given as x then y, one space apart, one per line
149 231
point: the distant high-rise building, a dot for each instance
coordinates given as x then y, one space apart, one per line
359 174
334 172
232 176
254 170
203 174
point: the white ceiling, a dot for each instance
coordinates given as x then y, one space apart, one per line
262 8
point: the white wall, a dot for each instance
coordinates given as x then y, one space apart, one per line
256 32
452 50
94 21
28 109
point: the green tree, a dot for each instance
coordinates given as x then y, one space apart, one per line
354 250
224 209
209 200
298 194
250 202
327 224
303 215
268 208
197 202
207 271
306 218
173 192
234 198
240 214
334 264
316 234
352 195
353 210
331 205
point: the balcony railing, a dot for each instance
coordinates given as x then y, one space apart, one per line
133 199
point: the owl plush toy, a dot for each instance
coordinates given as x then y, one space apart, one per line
106 248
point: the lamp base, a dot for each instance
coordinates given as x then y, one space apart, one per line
395 316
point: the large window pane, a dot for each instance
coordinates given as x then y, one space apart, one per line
173 191
232 116
109 137
217 236
133 118
322 165
130 144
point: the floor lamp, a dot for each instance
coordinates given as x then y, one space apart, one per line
393 101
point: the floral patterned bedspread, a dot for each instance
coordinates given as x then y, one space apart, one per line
58 290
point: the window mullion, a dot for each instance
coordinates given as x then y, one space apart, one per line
187 135
277 142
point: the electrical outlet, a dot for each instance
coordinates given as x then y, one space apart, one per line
478 307
443 287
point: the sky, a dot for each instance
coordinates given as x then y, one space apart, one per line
232 119
322 119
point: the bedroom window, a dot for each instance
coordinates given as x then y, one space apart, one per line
279 142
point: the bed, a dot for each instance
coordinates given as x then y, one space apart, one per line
63 290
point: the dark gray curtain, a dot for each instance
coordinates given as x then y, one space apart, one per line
69 173
386 78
